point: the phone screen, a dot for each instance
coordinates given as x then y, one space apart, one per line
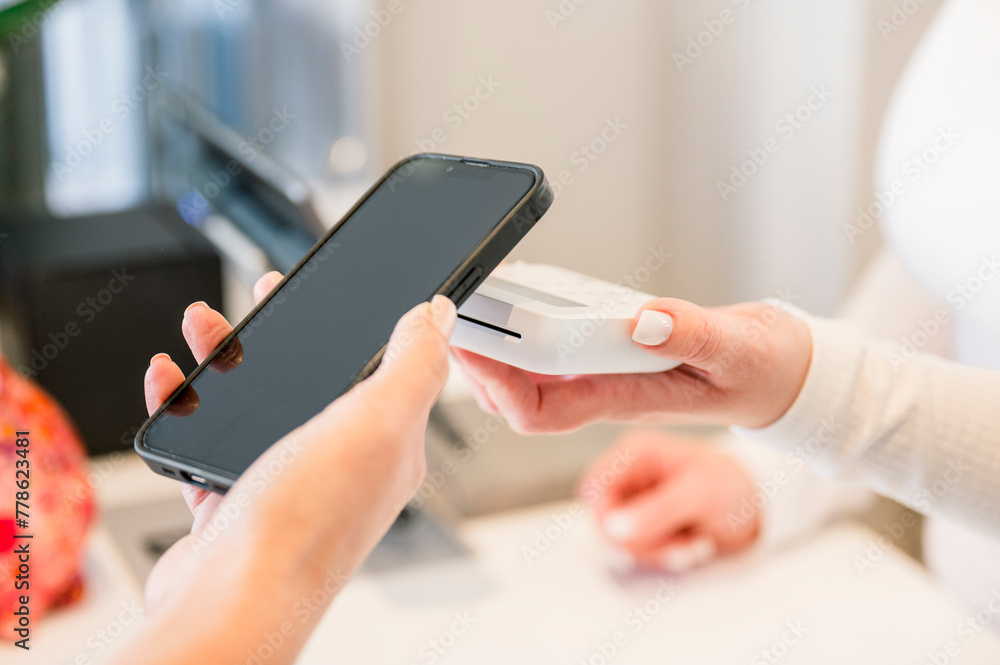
324 325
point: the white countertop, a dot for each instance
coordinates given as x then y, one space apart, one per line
566 606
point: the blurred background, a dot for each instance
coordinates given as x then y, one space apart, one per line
195 145
356 103
260 123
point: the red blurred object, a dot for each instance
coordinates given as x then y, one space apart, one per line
60 499
6 535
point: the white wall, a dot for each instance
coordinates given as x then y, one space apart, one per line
656 184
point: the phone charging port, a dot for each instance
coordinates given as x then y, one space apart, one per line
195 479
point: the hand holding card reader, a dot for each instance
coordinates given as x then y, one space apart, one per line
550 320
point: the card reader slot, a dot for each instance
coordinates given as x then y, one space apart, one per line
498 329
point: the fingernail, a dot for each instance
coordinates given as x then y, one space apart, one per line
195 305
443 314
619 526
653 328
620 561
679 560
159 356
684 558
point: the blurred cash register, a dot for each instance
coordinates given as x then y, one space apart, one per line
143 147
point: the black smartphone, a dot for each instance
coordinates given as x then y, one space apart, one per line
432 224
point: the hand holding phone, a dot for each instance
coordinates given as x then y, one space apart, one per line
256 551
433 224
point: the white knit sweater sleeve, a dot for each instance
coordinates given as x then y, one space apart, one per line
791 500
914 427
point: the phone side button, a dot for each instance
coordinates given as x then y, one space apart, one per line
463 286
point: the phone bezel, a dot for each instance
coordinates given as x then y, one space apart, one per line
526 212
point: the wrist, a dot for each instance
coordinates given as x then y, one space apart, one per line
797 358
789 349
246 605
